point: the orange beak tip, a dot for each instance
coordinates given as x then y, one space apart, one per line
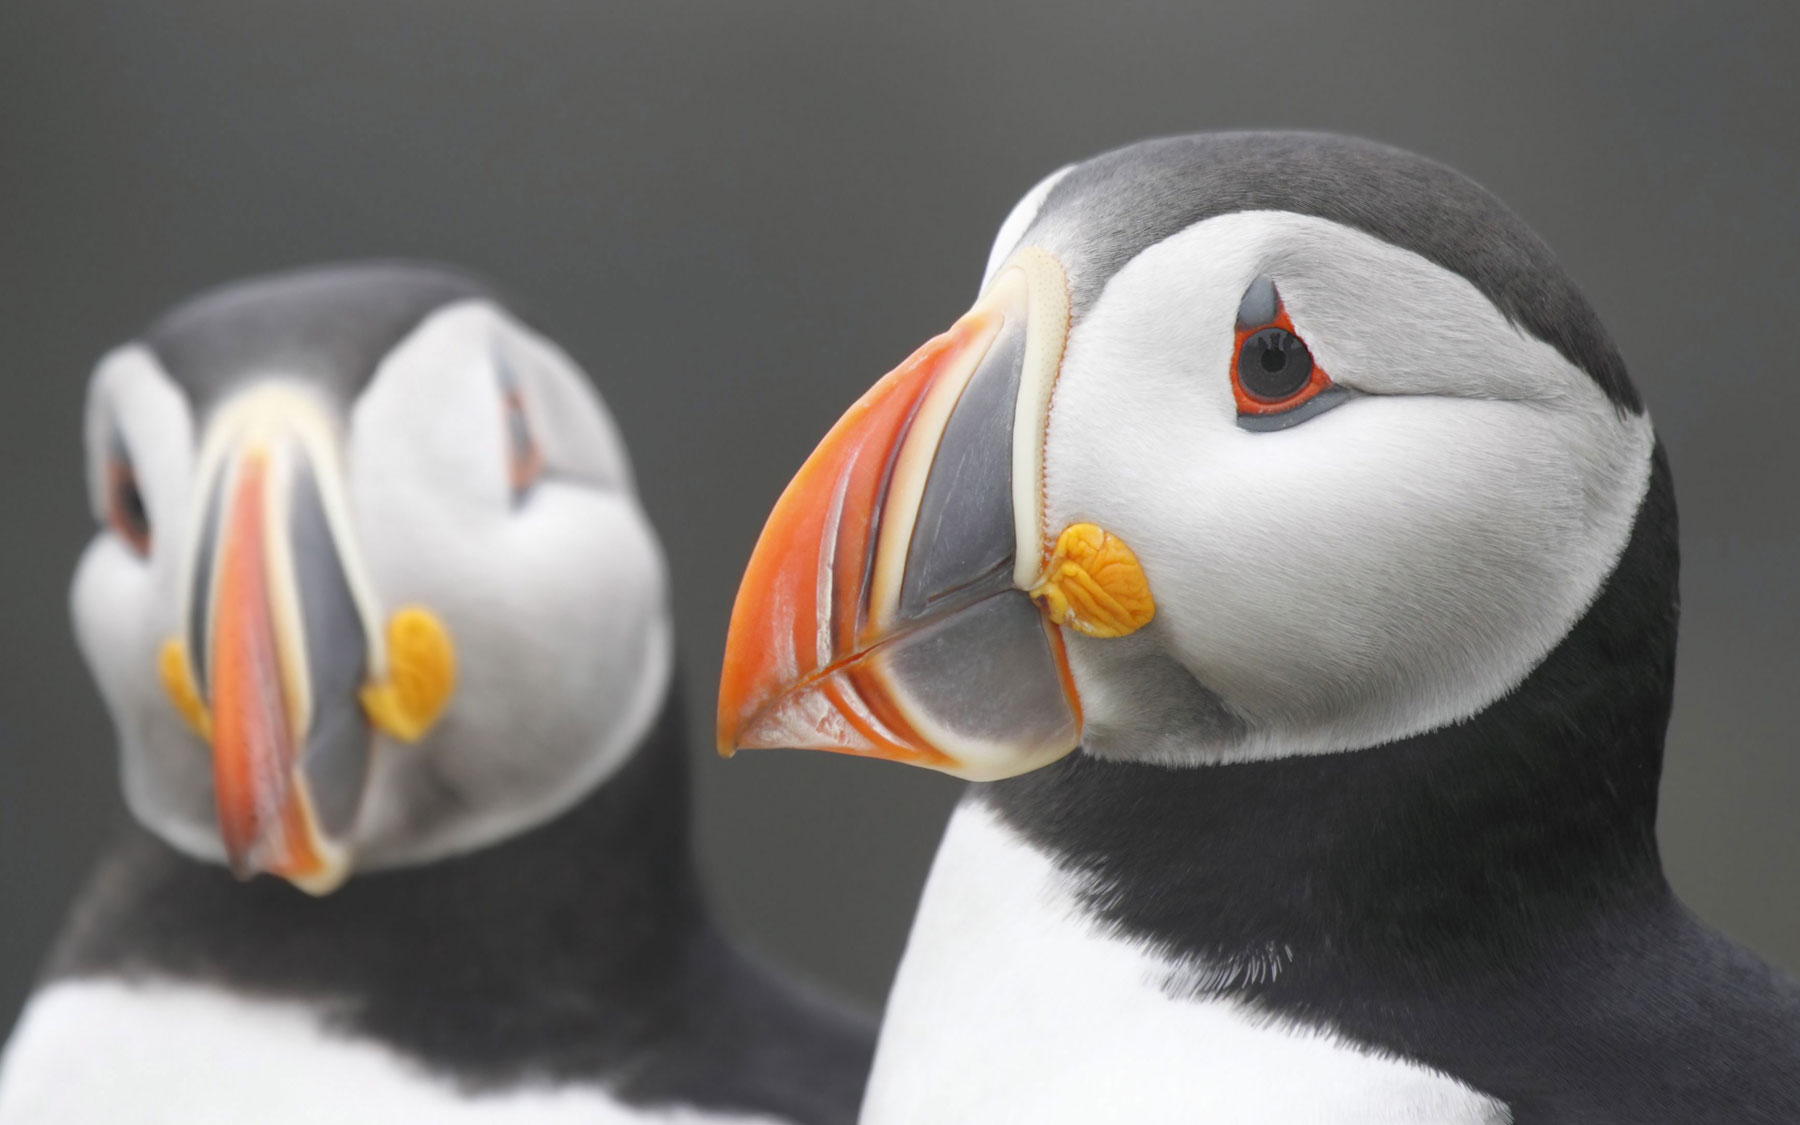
323 881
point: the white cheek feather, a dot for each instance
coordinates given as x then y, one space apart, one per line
124 607
1013 1006
1388 567
122 616
558 605
131 394
93 1052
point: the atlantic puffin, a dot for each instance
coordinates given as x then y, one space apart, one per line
385 636
1281 546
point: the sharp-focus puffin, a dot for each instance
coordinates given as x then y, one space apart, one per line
1291 480
373 597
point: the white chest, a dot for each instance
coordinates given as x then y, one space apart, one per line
172 1054
1011 1006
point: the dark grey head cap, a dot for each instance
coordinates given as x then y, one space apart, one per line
330 325
1107 210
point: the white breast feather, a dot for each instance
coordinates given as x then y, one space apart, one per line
1011 1006
175 1054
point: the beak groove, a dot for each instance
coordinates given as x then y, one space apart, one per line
262 690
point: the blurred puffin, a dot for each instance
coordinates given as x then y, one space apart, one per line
1289 478
376 544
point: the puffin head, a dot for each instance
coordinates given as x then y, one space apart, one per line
1253 445
371 585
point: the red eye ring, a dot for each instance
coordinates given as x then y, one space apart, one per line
125 510
1262 388
524 457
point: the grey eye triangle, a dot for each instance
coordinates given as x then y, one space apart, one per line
1260 303
116 448
503 371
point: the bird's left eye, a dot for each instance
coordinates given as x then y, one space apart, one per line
1273 375
126 513
524 457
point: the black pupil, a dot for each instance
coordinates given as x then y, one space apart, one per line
1273 365
131 504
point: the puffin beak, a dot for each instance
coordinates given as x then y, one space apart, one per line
283 669
904 600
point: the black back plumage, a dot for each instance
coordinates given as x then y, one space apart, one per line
576 952
1486 898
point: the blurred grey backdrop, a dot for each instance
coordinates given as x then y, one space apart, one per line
738 215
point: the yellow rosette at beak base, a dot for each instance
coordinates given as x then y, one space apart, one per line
1094 584
178 684
421 676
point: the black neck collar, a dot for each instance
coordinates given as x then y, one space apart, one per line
1530 816
599 903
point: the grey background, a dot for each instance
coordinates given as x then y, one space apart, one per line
738 215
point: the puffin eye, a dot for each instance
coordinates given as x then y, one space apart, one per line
1273 376
524 457
1273 365
125 510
